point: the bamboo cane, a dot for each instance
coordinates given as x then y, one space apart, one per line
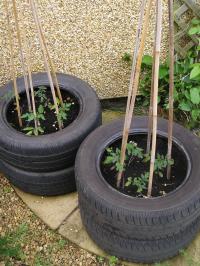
13 70
53 70
150 118
171 85
21 55
155 92
45 61
29 68
134 90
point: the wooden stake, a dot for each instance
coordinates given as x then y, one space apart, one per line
150 118
53 70
22 55
171 84
155 92
34 11
134 88
29 68
13 71
135 55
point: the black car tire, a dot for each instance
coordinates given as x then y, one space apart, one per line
138 218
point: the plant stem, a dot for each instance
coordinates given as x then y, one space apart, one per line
21 55
133 87
36 19
171 84
13 70
53 70
155 92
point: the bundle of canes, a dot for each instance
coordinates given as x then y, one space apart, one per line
26 63
133 88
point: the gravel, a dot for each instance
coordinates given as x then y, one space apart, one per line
41 246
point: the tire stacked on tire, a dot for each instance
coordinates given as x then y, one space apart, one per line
143 230
44 165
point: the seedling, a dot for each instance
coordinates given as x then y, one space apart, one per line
41 94
140 182
113 261
63 111
134 152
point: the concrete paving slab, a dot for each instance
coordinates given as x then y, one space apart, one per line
51 210
73 229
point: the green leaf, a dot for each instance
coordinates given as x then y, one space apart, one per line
41 109
195 95
195 72
28 128
163 72
108 160
147 60
193 30
128 182
184 106
195 21
195 114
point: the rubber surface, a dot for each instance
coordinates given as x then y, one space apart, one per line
141 219
133 250
43 184
53 151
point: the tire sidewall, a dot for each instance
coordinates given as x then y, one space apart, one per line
50 144
92 186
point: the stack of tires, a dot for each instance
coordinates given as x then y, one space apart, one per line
44 165
143 230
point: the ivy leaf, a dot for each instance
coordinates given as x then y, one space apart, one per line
194 30
184 106
195 73
163 72
195 21
195 95
195 114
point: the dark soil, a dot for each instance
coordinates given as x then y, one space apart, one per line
50 124
136 167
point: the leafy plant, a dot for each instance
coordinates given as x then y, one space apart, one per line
10 243
63 111
113 260
140 182
30 117
100 259
41 94
132 152
186 83
113 157
126 57
161 164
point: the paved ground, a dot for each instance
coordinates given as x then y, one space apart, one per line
62 214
